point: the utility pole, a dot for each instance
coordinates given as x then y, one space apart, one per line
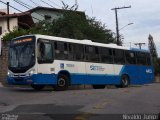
8 23
139 44
117 26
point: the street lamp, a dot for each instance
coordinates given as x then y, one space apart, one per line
118 35
126 26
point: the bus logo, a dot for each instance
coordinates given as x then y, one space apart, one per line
96 68
62 65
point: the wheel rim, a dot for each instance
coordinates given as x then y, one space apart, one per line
61 82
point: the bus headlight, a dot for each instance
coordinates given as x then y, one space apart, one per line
31 72
10 74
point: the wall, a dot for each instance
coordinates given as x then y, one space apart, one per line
3 24
13 24
39 14
4 62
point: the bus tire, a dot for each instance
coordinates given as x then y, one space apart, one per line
62 83
124 81
37 87
98 86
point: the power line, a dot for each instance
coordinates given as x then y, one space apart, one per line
22 4
34 3
55 3
47 3
17 9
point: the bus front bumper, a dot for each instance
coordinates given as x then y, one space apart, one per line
20 80
42 79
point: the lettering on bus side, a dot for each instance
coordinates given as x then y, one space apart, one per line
149 71
70 65
97 68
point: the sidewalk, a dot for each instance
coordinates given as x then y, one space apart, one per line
157 79
1 84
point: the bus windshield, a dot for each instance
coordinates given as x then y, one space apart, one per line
21 54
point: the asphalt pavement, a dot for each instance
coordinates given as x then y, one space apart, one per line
139 102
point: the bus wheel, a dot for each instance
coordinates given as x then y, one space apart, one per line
98 86
37 87
124 81
62 83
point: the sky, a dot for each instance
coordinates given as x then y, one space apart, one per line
145 14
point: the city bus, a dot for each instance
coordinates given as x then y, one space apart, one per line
40 60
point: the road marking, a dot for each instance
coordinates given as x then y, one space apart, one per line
84 116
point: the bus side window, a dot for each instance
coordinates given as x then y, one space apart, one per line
106 55
141 58
118 56
148 59
61 50
130 57
45 52
78 50
71 51
92 54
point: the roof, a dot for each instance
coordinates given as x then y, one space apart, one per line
14 15
136 49
24 19
2 13
88 42
52 9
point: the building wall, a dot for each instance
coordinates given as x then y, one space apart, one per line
13 24
3 24
39 14
4 62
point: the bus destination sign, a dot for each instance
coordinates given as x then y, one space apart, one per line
23 40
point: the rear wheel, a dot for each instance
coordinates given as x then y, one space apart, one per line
124 81
37 87
98 86
62 83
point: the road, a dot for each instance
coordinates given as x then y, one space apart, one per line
80 104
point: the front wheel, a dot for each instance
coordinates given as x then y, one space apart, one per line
62 83
37 87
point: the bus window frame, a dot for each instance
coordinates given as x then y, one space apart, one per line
44 61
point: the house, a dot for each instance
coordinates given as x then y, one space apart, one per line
45 13
28 19
11 21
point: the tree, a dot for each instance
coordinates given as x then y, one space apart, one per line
156 63
15 33
153 51
152 47
72 25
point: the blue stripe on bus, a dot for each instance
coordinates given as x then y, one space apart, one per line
137 75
